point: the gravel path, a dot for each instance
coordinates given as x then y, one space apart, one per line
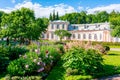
115 77
115 49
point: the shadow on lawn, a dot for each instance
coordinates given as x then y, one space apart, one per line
114 54
108 70
57 73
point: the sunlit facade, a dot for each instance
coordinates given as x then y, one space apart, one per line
84 32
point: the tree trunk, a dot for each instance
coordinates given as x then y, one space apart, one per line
7 41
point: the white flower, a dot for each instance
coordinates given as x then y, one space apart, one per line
20 55
34 60
37 50
25 56
51 57
26 66
38 63
41 69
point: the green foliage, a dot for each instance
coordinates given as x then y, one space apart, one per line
107 48
83 17
4 59
52 50
24 65
54 16
71 71
15 51
86 61
62 33
31 62
102 16
115 23
23 78
1 14
22 25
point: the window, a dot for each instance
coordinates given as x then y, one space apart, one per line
43 36
86 26
52 26
57 26
90 36
79 36
73 36
100 36
62 26
84 36
97 26
52 35
47 35
95 36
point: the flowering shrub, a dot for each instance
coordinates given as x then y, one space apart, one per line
35 62
25 65
85 61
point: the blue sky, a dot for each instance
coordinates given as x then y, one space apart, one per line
44 7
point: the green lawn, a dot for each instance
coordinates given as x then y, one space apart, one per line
114 46
111 67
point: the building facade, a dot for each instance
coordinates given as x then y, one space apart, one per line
87 32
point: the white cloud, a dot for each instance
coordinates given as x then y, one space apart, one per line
44 11
108 8
13 1
41 11
80 8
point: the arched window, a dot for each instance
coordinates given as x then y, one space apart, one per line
90 37
100 36
47 35
57 26
52 26
95 36
84 36
52 35
43 36
62 26
73 36
79 36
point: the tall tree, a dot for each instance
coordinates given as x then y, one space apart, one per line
102 16
57 16
1 14
21 24
62 33
50 17
115 25
54 15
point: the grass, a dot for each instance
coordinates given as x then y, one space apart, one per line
111 67
114 46
112 64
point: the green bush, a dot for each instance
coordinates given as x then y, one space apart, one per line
58 42
107 48
52 50
34 61
85 61
4 59
15 51
25 65
71 71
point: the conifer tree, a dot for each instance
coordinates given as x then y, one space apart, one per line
50 17
57 16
